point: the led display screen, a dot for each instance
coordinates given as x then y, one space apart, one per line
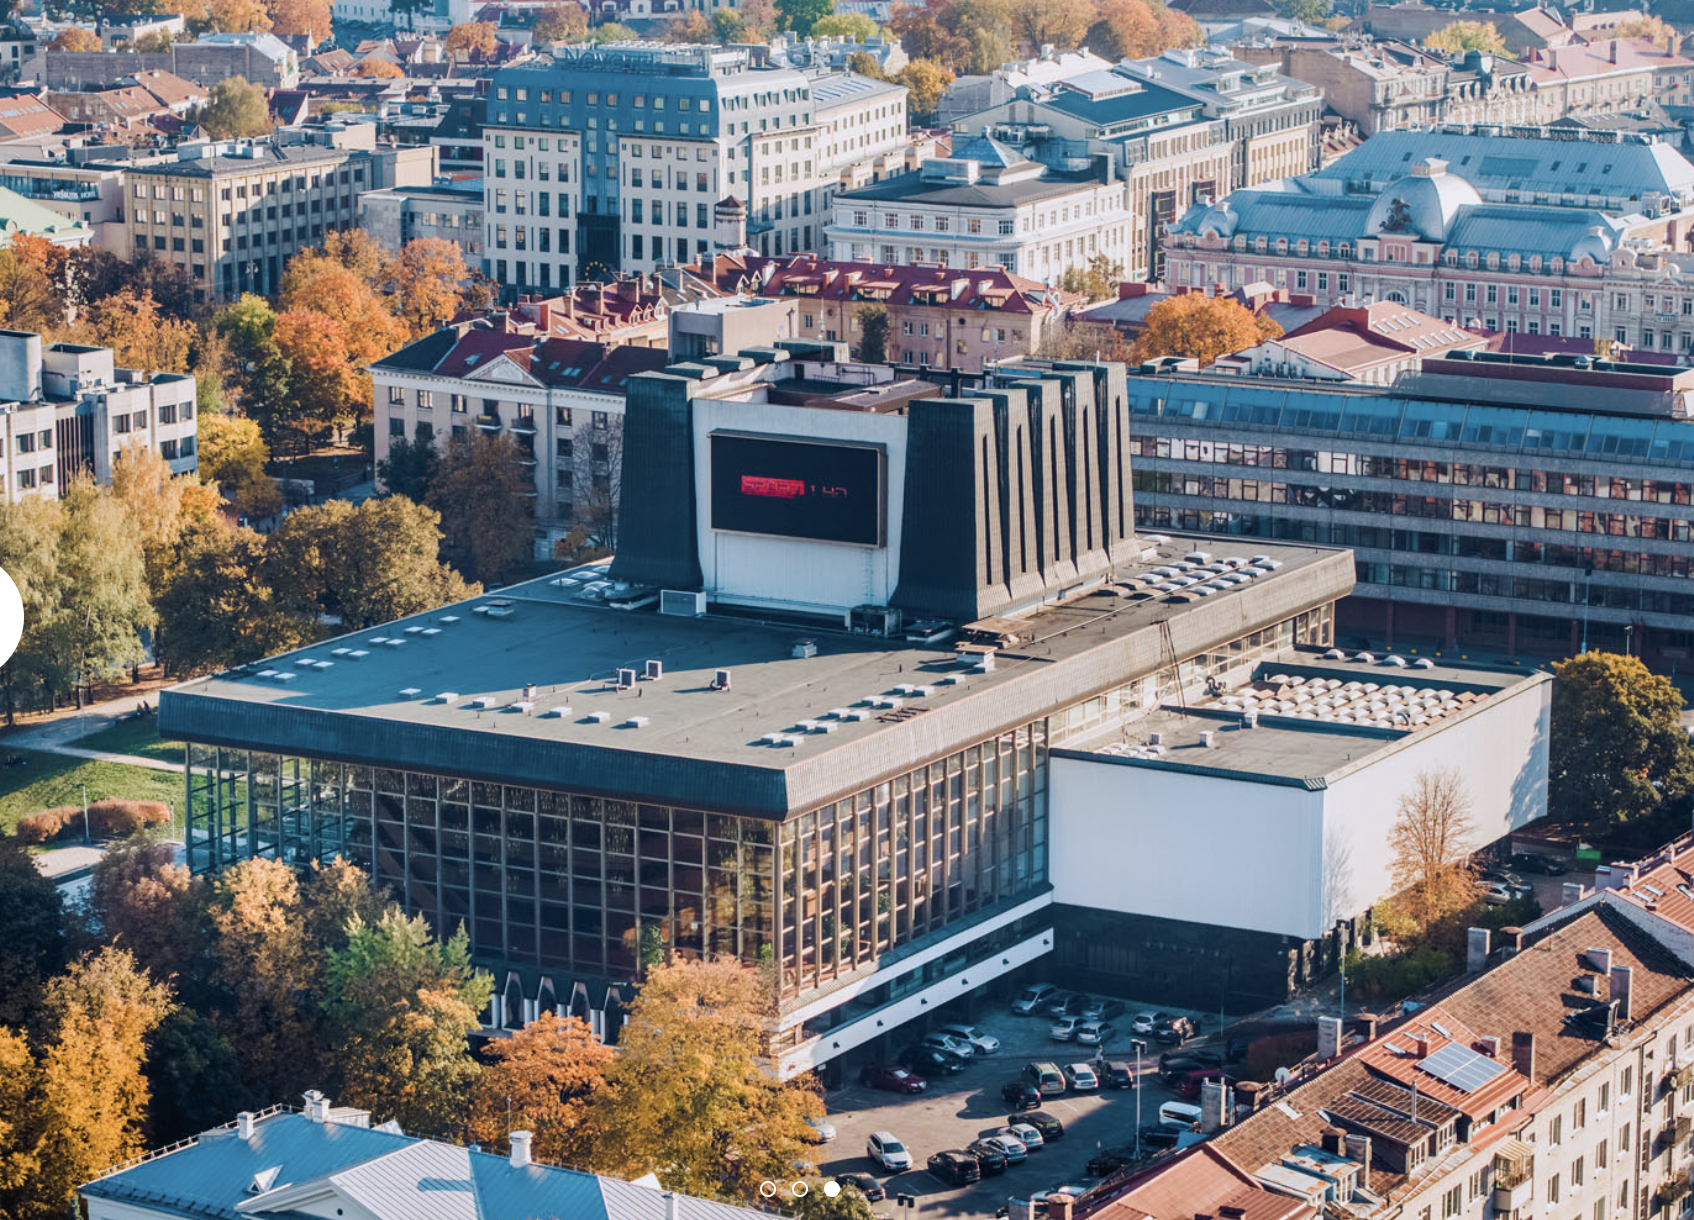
822 490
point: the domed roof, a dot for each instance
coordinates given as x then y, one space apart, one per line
1423 203
1594 246
1218 220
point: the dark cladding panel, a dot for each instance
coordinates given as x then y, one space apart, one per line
657 536
943 568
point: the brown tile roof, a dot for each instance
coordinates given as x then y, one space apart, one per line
171 90
1201 1181
25 114
896 283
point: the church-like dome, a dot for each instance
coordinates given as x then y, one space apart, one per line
1423 203
1218 220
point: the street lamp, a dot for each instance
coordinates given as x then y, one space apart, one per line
1587 597
1140 1045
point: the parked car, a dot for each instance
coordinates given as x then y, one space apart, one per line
1049 1126
951 1043
927 1059
990 1155
1034 998
984 1042
1081 1078
1172 1031
1095 1033
1179 1115
1517 885
1103 1163
887 1151
1177 1063
1144 1022
1031 1136
1494 893
1046 1077
1534 862
1064 1029
955 1167
1020 1094
1100 1009
1117 1075
1189 1085
1153 1138
891 1078
869 1187
1015 1149
1071 1006
822 1130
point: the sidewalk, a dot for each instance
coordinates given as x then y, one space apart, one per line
54 736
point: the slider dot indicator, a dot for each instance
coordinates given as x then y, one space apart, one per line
831 1189
800 1190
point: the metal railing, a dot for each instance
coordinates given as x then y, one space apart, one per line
192 1140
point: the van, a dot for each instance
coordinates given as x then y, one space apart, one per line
1046 1077
1179 1115
1032 998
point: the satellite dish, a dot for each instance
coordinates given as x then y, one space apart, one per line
1282 1075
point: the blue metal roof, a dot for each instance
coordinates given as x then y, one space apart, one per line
390 1175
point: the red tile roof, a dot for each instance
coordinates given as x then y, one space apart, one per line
896 283
1202 1181
1601 57
25 114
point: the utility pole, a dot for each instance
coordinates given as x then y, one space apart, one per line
1139 1046
86 836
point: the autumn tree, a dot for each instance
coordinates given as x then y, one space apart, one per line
365 564
160 503
428 283
1063 23
236 110
1078 340
1618 752
1457 37
95 274
105 605
233 455
28 299
1098 281
34 944
142 900
140 335
260 374
688 1095
409 469
923 36
1431 843
1651 27
1308 11
872 324
926 82
219 609
542 1079
378 69
238 16
1201 327
334 324
401 1007
301 17
758 18
563 22
76 39
849 1204
471 40
481 490
855 26
30 530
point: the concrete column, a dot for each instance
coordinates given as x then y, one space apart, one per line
1388 626
1476 949
1452 627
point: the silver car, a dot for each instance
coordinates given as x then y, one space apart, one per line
1095 1033
984 1042
1064 1028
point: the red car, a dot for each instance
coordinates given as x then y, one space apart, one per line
892 1078
1189 1085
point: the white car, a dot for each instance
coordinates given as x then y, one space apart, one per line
953 1044
1144 1022
1081 1077
887 1151
822 1128
1094 1033
1064 1029
985 1043
1023 1132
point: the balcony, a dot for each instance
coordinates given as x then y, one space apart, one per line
1514 1177
488 423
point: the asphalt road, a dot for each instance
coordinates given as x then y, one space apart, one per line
955 1110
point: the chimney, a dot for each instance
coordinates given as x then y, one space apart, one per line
1214 1105
671 1205
1060 1207
1570 892
317 1107
519 1141
1250 1093
1523 1053
1358 1149
1614 51
244 1124
1329 1038
1511 941
1599 959
730 219
1623 984
1334 1141
1476 949
1488 1045
1420 1045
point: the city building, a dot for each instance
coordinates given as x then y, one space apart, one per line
1370 343
937 317
126 107
449 210
232 213
1187 125
1606 77
608 158
17 47
836 54
804 718
19 214
1521 30
263 59
987 205
24 113
328 1160
1555 232
79 188
66 409
1524 504
971 94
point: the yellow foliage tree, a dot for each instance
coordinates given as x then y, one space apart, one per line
378 69
428 283
1430 841
1457 37
233 456
1201 327
1652 27
565 22
139 334
301 17
469 39
238 16
542 1079
75 38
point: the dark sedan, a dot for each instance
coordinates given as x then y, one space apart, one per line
1117 1075
955 1168
991 1156
869 1187
1049 1126
928 1060
1531 862
891 1078
1020 1094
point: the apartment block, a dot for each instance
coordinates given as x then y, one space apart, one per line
66 409
612 158
232 213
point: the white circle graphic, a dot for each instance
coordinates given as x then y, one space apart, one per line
11 617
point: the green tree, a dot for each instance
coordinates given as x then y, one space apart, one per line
856 26
481 491
105 605
1098 281
364 564
1309 11
873 333
612 31
1618 753
800 15
259 371
219 609
409 469
29 552
236 110
865 65
850 1204
194 1073
543 1079
1458 37
689 1097
401 1007
34 944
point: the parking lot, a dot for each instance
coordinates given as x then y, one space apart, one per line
958 1109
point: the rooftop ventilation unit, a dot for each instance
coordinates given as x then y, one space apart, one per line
530 690
557 713
857 713
410 692
635 722
821 726
873 620
393 642
432 631
414 631
265 673
772 739
805 649
357 654
339 652
484 701
1207 739
379 639
498 612
522 705
654 671
599 717
625 679
720 679
447 696
683 604
286 677
447 620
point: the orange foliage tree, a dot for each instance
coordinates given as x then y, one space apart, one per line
542 1079
1202 327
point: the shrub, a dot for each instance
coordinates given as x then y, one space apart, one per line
1397 975
1265 1055
47 825
115 819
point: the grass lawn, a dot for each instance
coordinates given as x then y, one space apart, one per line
133 737
55 779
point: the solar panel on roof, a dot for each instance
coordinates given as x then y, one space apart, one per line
1461 1067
